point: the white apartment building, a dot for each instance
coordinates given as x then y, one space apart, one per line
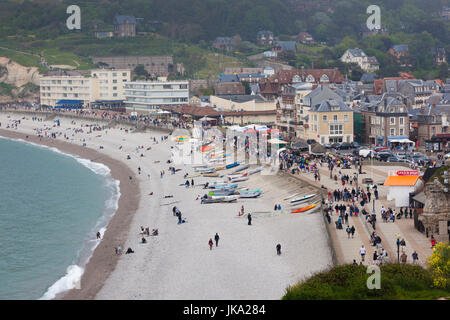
56 88
150 95
103 84
111 83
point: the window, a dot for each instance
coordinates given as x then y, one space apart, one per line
315 117
114 74
336 129
315 128
114 81
401 132
392 120
400 121
433 130
335 117
325 118
345 117
183 86
167 86
124 74
322 140
392 131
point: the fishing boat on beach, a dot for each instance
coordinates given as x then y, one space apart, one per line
232 165
215 174
250 193
304 198
255 170
240 168
304 209
223 199
239 179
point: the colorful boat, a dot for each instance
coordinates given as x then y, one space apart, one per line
304 209
298 200
221 192
206 170
225 186
213 175
232 165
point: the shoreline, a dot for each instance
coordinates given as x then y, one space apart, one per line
103 261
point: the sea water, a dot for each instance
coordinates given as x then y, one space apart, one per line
51 207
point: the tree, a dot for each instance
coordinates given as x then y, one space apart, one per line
443 71
439 264
140 71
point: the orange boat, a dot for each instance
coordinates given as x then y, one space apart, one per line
304 209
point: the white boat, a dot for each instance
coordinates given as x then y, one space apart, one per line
243 178
306 197
240 168
255 170
291 196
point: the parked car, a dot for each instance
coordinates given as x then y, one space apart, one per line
345 146
335 146
447 156
393 158
382 149
355 144
310 141
327 146
383 156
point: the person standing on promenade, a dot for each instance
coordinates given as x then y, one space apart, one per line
249 217
433 242
216 237
210 244
352 231
415 257
362 251
278 249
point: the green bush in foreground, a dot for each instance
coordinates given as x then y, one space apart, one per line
398 281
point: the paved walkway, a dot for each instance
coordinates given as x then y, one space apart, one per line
348 249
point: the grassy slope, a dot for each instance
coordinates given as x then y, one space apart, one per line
75 50
349 282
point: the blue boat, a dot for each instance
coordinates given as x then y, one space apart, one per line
232 165
228 186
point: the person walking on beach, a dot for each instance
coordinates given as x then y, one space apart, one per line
210 244
192 182
216 237
99 236
278 249
249 217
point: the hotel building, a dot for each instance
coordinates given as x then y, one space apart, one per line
150 95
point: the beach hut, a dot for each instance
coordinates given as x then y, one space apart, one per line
400 186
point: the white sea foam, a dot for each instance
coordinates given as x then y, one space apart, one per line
69 281
74 272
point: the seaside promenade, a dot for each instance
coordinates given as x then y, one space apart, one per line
347 249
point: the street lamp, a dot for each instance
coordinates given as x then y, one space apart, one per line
398 249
